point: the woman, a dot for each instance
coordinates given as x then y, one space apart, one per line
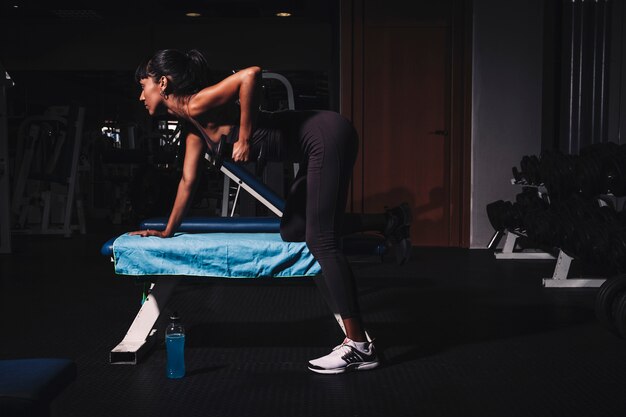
323 142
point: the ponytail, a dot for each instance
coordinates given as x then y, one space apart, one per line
188 72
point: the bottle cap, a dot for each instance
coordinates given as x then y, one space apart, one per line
175 316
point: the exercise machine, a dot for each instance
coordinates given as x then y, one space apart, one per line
5 218
46 192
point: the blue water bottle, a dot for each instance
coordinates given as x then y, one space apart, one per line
175 346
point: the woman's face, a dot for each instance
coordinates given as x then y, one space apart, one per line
151 95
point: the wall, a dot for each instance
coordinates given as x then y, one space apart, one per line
120 45
506 103
56 61
617 75
507 70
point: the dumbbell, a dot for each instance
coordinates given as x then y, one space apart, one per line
506 215
590 176
503 215
598 169
619 313
541 227
530 166
558 173
616 255
610 304
615 172
529 170
529 201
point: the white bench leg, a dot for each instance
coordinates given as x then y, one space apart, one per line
141 335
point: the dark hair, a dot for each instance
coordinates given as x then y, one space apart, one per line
188 72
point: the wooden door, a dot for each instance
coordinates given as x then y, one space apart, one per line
404 138
406 86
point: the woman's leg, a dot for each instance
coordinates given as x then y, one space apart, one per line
332 152
332 148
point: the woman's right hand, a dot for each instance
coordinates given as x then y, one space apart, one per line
241 151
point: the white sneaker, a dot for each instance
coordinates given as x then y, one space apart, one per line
348 356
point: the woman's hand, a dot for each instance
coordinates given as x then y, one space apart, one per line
241 151
149 232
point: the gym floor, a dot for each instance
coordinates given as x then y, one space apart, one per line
461 334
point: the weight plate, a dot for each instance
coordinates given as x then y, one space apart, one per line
619 313
605 298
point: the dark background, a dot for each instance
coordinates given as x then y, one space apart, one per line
461 333
519 70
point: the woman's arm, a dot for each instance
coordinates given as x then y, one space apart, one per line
243 85
194 153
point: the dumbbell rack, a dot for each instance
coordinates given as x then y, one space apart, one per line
561 271
510 250
559 277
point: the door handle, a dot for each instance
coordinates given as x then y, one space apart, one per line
439 133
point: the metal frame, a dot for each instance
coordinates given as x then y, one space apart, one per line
559 278
229 175
510 251
240 184
561 271
69 197
141 334
291 104
5 194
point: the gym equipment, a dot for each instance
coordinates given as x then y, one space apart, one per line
287 259
583 229
5 218
242 252
512 248
286 255
558 174
218 224
225 255
219 255
597 169
28 386
273 175
264 254
529 171
619 314
560 278
47 156
576 208
248 182
140 335
579 229
508 219
610 294
506 215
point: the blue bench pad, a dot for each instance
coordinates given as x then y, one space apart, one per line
224 255
27 386
218 224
